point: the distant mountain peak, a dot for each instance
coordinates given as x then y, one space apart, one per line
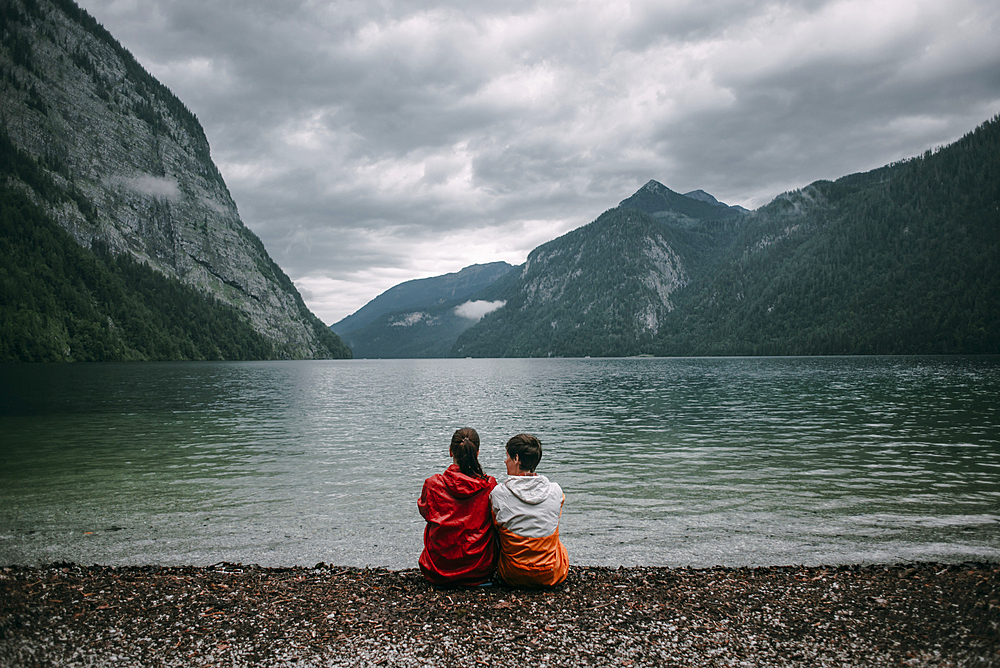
703 196
655 198
423 292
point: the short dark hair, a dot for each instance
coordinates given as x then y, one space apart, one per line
526 449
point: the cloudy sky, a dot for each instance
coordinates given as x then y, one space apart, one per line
369 142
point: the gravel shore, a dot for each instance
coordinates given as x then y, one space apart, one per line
233 615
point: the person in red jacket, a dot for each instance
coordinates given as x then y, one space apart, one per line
459 540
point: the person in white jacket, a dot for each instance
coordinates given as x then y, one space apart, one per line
526 511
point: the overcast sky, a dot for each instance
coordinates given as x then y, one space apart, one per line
369 142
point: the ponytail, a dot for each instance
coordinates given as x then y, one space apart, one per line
465 450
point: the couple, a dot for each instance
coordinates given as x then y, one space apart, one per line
475 526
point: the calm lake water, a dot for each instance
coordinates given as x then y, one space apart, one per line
738 461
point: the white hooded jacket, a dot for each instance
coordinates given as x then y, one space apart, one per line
528 506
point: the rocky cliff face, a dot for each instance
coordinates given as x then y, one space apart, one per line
605 288
138 166
636 250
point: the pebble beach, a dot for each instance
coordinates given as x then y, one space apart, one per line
924 614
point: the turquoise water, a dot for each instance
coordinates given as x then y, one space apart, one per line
735 461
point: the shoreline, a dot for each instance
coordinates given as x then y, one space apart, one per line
921 614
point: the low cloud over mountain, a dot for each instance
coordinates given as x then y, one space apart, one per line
475 310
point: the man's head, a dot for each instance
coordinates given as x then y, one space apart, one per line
525 451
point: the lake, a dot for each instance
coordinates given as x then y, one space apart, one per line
664 462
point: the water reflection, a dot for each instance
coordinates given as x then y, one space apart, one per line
690 461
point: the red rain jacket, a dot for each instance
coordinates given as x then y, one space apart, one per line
459 539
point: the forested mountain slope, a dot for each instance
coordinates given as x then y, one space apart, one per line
94 149
903 260
423 331
424 292
62 302
421 318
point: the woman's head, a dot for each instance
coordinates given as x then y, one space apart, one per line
465 450
526 450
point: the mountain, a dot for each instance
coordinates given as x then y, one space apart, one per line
609 287
424 292
904 259
703 196
660 201
634 262
427 331
143 254
423 317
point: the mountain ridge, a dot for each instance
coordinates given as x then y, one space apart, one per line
608 287
120 163
423 292
655 198
902 259
426 329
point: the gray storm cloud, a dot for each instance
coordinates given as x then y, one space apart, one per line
406 140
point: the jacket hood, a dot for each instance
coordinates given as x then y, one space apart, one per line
462 486
531 489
